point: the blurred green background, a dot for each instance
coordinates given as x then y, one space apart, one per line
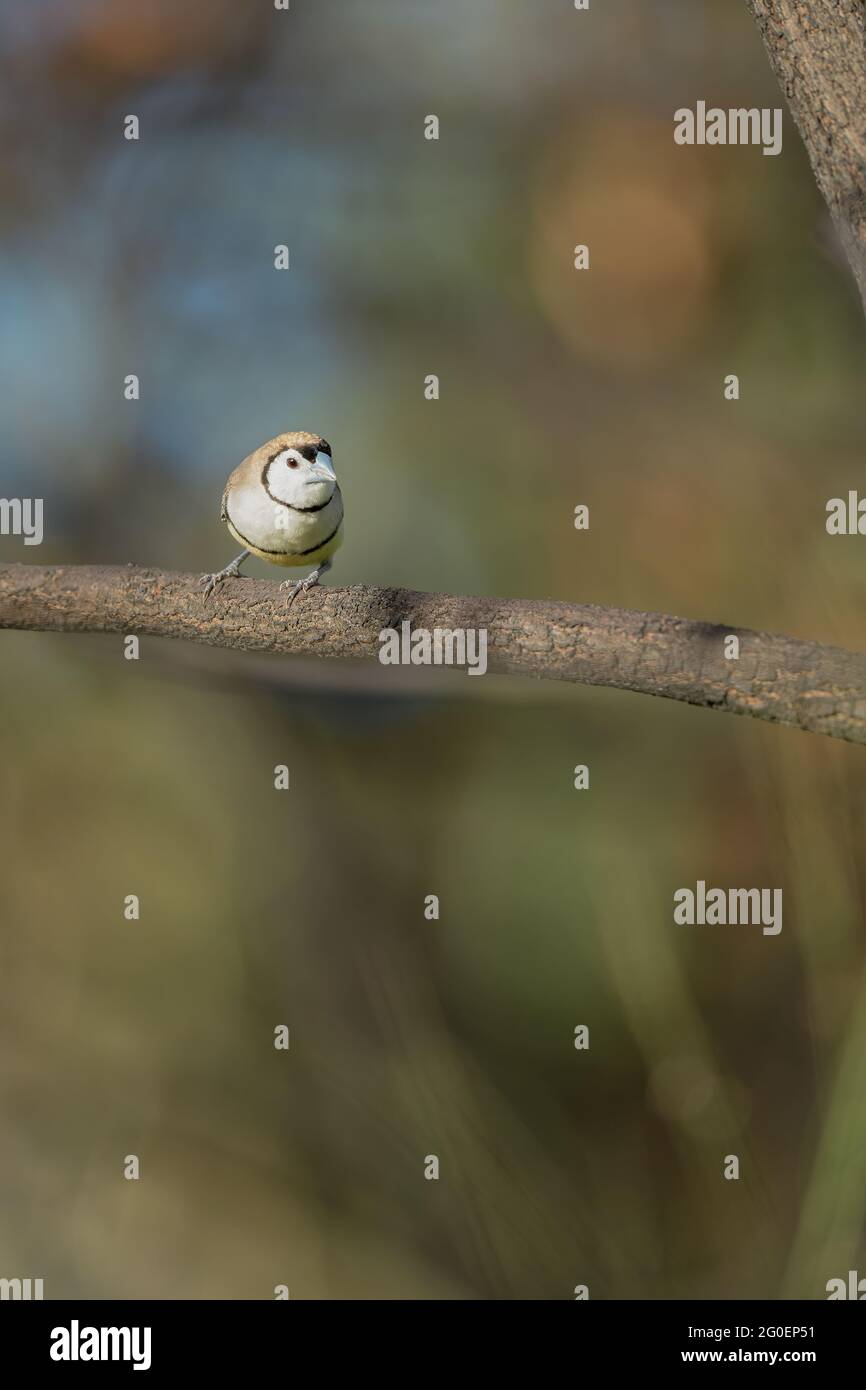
155 777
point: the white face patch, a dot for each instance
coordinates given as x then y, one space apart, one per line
286 474
292 479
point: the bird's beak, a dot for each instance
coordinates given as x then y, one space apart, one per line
324 469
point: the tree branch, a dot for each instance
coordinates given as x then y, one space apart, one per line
782 679
817 49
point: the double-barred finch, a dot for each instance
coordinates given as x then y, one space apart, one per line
283 503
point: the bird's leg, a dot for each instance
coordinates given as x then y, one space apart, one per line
232 571
300 586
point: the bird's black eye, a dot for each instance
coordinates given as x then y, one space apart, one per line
293 463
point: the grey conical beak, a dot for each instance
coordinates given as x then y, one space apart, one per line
324 469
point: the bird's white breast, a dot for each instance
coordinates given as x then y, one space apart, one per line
275 527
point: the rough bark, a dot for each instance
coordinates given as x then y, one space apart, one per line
817 688
817 49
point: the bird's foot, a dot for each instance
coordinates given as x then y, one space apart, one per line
212 581
300 586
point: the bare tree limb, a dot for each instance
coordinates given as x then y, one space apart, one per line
817 49
782 679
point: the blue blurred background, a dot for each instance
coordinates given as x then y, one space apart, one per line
411 257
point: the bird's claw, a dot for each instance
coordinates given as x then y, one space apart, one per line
213 581
299 586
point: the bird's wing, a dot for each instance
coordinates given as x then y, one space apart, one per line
240 475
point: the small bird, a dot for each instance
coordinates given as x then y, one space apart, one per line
283 503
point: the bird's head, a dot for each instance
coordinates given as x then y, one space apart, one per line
298 469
